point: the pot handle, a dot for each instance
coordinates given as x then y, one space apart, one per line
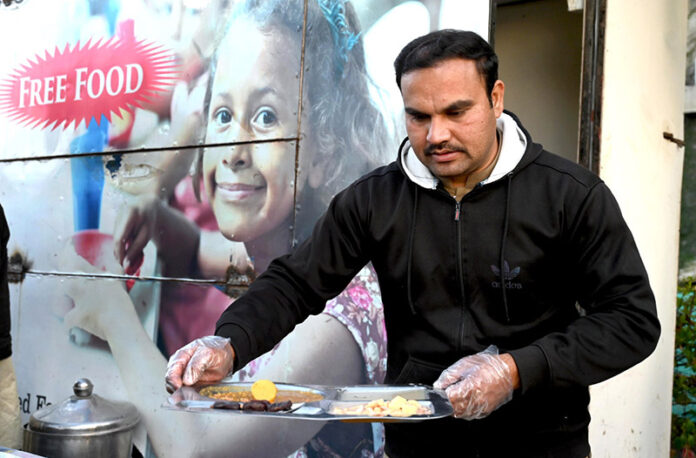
83 388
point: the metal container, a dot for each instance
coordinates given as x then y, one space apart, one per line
83 425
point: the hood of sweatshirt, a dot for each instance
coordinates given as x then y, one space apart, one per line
514 142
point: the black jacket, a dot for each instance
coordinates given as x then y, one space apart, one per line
539 263
5 339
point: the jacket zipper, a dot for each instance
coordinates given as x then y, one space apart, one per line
457 215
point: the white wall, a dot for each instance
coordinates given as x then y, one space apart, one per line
643 97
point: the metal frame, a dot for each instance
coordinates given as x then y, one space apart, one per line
592 79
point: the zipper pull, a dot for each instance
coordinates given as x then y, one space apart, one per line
456 211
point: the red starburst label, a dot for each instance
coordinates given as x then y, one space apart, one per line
84 82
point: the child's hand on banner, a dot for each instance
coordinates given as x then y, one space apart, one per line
135 226
186 119
92 305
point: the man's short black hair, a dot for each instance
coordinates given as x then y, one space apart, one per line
433 48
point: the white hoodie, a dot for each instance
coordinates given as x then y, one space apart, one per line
512 149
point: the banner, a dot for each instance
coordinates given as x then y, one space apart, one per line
156 155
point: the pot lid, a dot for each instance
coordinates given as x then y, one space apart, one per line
84 413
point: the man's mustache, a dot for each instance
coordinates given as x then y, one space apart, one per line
430 149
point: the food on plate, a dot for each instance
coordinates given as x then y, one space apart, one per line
397 407
227 405
242 394
280 406
264 390
255 405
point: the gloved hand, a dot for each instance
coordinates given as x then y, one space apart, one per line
207 359
477 385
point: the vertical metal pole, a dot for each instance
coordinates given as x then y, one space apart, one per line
594 18
491 22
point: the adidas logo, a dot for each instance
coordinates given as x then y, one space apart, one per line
506 275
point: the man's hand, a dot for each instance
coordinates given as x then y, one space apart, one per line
207 359
478 384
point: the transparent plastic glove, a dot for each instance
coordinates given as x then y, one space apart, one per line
477 385
207 359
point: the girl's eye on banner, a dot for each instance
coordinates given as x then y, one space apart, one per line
11 4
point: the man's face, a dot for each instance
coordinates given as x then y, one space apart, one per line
450 121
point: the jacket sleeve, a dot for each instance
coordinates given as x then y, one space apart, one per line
5 338
298 284
618 326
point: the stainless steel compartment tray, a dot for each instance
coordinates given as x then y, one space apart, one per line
189 399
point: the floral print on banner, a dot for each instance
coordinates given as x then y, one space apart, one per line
359 308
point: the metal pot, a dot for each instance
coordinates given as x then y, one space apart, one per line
83 425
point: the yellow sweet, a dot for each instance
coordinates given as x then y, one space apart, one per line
264 390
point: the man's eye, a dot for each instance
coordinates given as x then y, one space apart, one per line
223 116
265 118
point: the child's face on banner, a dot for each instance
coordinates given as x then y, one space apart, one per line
254 97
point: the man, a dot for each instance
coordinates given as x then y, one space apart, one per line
508 275
10 426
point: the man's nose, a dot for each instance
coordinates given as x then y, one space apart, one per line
438 131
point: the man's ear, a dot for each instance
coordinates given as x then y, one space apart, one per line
497 98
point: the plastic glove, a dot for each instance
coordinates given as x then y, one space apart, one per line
207 359
477 385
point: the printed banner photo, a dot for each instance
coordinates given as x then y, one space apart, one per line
156 156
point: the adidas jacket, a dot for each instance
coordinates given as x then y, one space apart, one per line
537 260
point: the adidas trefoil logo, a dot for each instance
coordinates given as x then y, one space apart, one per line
506 275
